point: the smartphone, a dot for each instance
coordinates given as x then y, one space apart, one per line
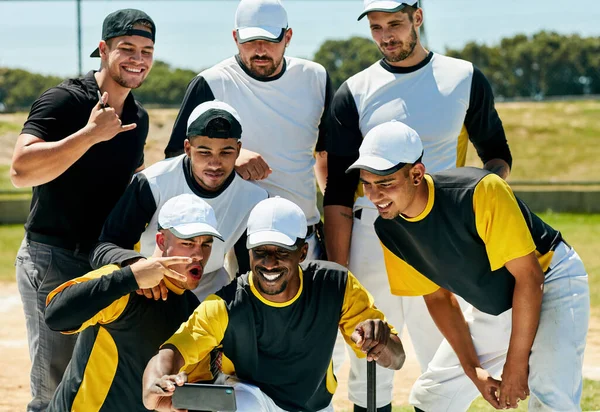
204 397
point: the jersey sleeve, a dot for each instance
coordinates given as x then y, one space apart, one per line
202 332
500 222
97 297
125 224
198 92
358 306
483 123
343 142
325 123
404 279
48 114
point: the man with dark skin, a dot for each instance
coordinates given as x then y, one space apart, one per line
268 317
464 232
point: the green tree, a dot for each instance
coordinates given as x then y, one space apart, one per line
19 88
164 85
344 58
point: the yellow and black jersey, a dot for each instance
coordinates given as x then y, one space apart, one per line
472 225
120 331
283 348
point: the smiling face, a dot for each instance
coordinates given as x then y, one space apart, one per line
275 271
263 58
213 159
395 33
128 59
198 248
398 193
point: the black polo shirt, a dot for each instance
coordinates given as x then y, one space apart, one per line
71 209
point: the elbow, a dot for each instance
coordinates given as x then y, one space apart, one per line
400 359
55 320
17 177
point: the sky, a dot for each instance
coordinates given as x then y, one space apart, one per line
41 36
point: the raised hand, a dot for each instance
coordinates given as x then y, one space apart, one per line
104 123
149 272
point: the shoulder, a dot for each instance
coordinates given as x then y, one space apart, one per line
218 71
452 66
235 291
248 191
361 78
163 167
325 274
309 66
460 177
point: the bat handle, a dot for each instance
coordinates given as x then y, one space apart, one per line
371 392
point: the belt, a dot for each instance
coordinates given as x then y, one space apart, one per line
60 242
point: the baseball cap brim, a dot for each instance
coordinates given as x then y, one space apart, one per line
272 34
190 230
376 165
95 53
384 6
270 237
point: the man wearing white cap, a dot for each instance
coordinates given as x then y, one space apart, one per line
277 324
449 102
463 232
205 170
119 331
283 104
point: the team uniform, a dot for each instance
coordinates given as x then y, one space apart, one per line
134 218
477 213
448 102
67 214
281 352
284 119
119 332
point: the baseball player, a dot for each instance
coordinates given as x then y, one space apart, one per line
205 170
119 331
283 104
463 231
277 324
449 102
81 144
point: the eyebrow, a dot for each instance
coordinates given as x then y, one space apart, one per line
376 182
126 43
210 148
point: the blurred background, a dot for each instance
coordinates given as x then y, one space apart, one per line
542 58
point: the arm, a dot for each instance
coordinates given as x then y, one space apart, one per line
40 156
485 127
160 378
321 146
124 225
198 91
527 303
343 142
447 315
321 170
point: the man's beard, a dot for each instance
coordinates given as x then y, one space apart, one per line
406 50
263 71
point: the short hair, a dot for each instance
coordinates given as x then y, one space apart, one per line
410 11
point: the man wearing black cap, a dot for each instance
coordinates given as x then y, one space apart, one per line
283 104
78 151
205 170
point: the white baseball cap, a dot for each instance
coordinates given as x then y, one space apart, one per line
260 20
188 216
387 6
387 148
276 221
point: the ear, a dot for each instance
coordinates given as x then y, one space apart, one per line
416 174
187 147
239 148
160 241
103 47
234 34
304 252
418 18
288 37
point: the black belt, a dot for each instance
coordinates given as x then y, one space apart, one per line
60 242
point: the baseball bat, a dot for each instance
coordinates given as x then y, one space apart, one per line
371 392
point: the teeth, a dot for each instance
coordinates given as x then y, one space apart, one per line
384 205
272 277
133 70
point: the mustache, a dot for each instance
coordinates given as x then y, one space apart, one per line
257 57
391 43
268 271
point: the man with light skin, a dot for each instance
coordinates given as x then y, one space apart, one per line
78 152
206 170
119 331
449 102
283 104
277 324
464 232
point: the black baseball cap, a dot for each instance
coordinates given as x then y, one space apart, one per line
214 119
121 22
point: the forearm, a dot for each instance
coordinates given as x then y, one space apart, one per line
79 302
106 253
167 361
41 162
393 356
527 303
338 232
499 167
448 317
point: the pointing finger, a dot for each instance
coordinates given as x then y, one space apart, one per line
128 127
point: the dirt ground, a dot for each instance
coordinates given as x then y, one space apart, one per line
14 366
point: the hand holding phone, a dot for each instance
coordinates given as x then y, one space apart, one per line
204 397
